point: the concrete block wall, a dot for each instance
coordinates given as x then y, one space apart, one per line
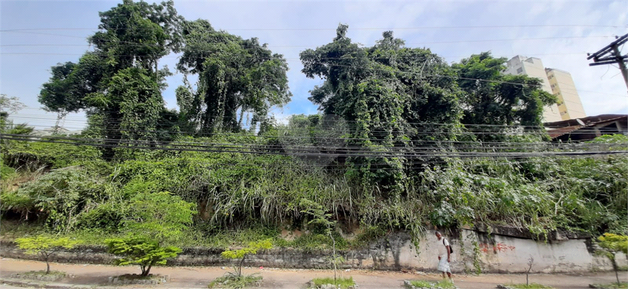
502 251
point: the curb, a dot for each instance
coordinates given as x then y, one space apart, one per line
27 283
38 284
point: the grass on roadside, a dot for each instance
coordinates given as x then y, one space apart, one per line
341 282
530 286
445 284
232 281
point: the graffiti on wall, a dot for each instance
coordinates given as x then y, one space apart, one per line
499 247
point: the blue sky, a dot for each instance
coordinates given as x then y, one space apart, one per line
560 32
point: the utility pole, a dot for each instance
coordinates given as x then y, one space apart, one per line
610 54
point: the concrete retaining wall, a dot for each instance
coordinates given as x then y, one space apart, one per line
499 251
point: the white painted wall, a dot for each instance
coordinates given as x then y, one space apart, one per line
499 254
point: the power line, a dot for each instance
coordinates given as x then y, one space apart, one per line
129 43
352 28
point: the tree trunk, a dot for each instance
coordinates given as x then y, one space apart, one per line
615 268
240 266
47 259
147 270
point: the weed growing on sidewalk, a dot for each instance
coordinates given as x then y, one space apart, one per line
525 286
420 284
233 281
341 282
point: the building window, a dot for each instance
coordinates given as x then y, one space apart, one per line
519 70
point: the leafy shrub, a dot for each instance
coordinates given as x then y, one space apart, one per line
141 251
60 195
158 216
241 254
34 155
611 244
107 216
44 246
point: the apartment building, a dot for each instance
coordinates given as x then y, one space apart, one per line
556 82
569 104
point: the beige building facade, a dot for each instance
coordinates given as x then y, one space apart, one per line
556 82
563 87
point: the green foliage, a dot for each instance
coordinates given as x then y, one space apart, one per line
252 248
339 282
381 92
319 217
141 251
612 244
60 197
529 286
445 284
44 246
36 155
504 99
241 76
235 282
158 216
241 254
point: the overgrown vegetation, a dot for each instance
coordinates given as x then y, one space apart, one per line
403 140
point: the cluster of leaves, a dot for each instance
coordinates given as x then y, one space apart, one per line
45 246
342 283
612 244
236 282
445 284
141 251
240 254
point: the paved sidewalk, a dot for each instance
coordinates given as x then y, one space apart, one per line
93 276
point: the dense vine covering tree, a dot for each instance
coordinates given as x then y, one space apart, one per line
387 94
236 76
119 83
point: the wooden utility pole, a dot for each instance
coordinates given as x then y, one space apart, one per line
610 54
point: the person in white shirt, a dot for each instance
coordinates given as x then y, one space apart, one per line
444 255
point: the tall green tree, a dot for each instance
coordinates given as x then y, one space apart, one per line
236 77
119 83
494 98
61 93
387 94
